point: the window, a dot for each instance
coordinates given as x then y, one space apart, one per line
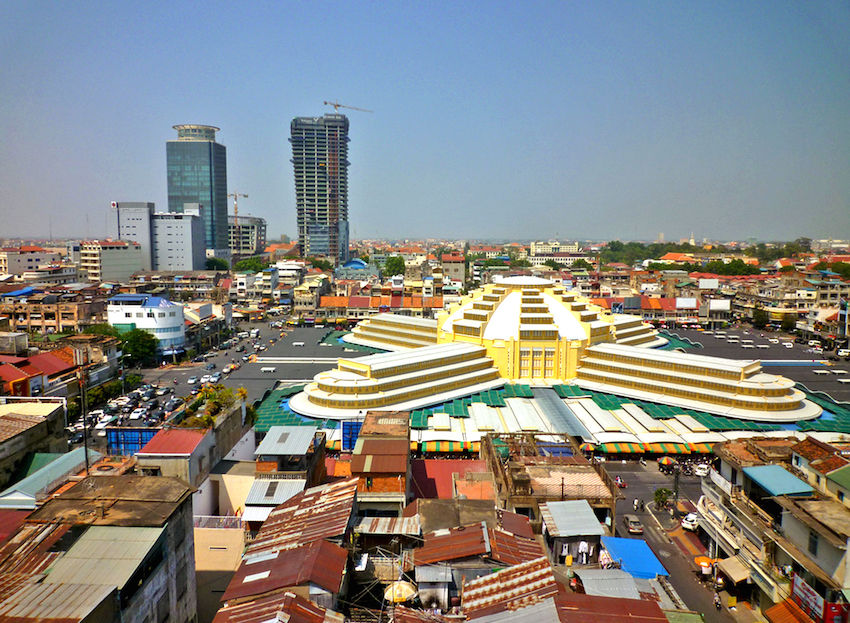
813 543
181 580
162 608
840 496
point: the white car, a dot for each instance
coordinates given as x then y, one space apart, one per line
192 380
690 522
205 379
701 470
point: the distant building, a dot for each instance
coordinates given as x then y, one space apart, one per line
454 266
18 260
197 174
320 161
106 260
248 236
169 241
156 315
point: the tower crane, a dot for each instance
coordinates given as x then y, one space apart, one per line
337 106
236 196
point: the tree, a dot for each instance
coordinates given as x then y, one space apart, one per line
102 329
520 264
394 266
251 265
216 263
760 318
140 345
319 263
789 323
661 496
553 264
582 264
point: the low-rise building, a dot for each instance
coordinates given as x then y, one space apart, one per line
27 427
18 260
110 260
158 316
49 312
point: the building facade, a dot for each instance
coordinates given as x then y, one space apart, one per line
156 315
320 161
131 220
169 241
108 260
197 173
18 260
248 236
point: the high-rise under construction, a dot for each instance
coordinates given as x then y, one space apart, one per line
320 161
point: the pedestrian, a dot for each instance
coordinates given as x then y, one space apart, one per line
642 506
636 504
717 603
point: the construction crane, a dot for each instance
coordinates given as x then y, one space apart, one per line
337 106
236 196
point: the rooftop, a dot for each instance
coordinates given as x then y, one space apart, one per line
174 442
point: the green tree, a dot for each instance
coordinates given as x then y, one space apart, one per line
789 323
251 265
661 496
394 266
760 318
520 264
582 264
102 329
216 263
552 264
320 263
140 345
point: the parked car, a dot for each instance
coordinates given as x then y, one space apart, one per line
633 524
690 522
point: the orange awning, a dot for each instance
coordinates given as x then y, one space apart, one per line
787 612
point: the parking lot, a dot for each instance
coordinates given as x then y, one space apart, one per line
800 362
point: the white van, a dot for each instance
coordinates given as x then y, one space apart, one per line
267 369
814 343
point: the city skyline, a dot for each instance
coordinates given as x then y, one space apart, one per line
582 122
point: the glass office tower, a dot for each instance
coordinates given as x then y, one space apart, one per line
197 173
320 161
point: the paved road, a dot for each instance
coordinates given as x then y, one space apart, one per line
302 362
675 547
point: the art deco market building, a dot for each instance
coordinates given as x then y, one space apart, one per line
535 332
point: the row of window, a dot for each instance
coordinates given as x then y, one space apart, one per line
406 396
670 378
150 314
669 365
386 386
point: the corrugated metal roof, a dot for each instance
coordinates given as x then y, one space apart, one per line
256 513
776 480
105 556
401 614
509 589
389 525
595 609
264 609
511 549
286 441
379 464
274 492
43 601
570 518
317 513
433 573
608 583
181 441
453 544
366 445
321 563
540 612
50 473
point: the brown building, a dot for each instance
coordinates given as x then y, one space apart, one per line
381 462
47 313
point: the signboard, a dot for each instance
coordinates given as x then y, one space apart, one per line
686 302
806 597
720 305
709 284
720 482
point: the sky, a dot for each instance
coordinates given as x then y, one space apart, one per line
491 120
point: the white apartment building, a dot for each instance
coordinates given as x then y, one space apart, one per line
169 240
18 260
159 316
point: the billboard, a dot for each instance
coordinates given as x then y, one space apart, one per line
686 302
720 305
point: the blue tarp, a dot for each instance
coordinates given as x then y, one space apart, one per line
635 557
776 480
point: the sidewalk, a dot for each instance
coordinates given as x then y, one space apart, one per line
672 529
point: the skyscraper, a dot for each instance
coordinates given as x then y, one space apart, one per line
320 160
197 173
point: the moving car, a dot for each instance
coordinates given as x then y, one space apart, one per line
193 380
690 522
701 470
633 524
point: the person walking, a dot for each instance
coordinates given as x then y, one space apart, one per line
717 603
636 504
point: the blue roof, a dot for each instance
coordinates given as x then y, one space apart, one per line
21 292
22 494
635 557
355 263
145 300
776 480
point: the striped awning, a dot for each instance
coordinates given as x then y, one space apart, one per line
449 446
334 444
620 448
667 448
701 448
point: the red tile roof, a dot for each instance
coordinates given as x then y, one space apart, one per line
181 441
813 449
829 464
50 363
509 589
321 563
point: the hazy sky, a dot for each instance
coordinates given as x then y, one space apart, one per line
491 119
